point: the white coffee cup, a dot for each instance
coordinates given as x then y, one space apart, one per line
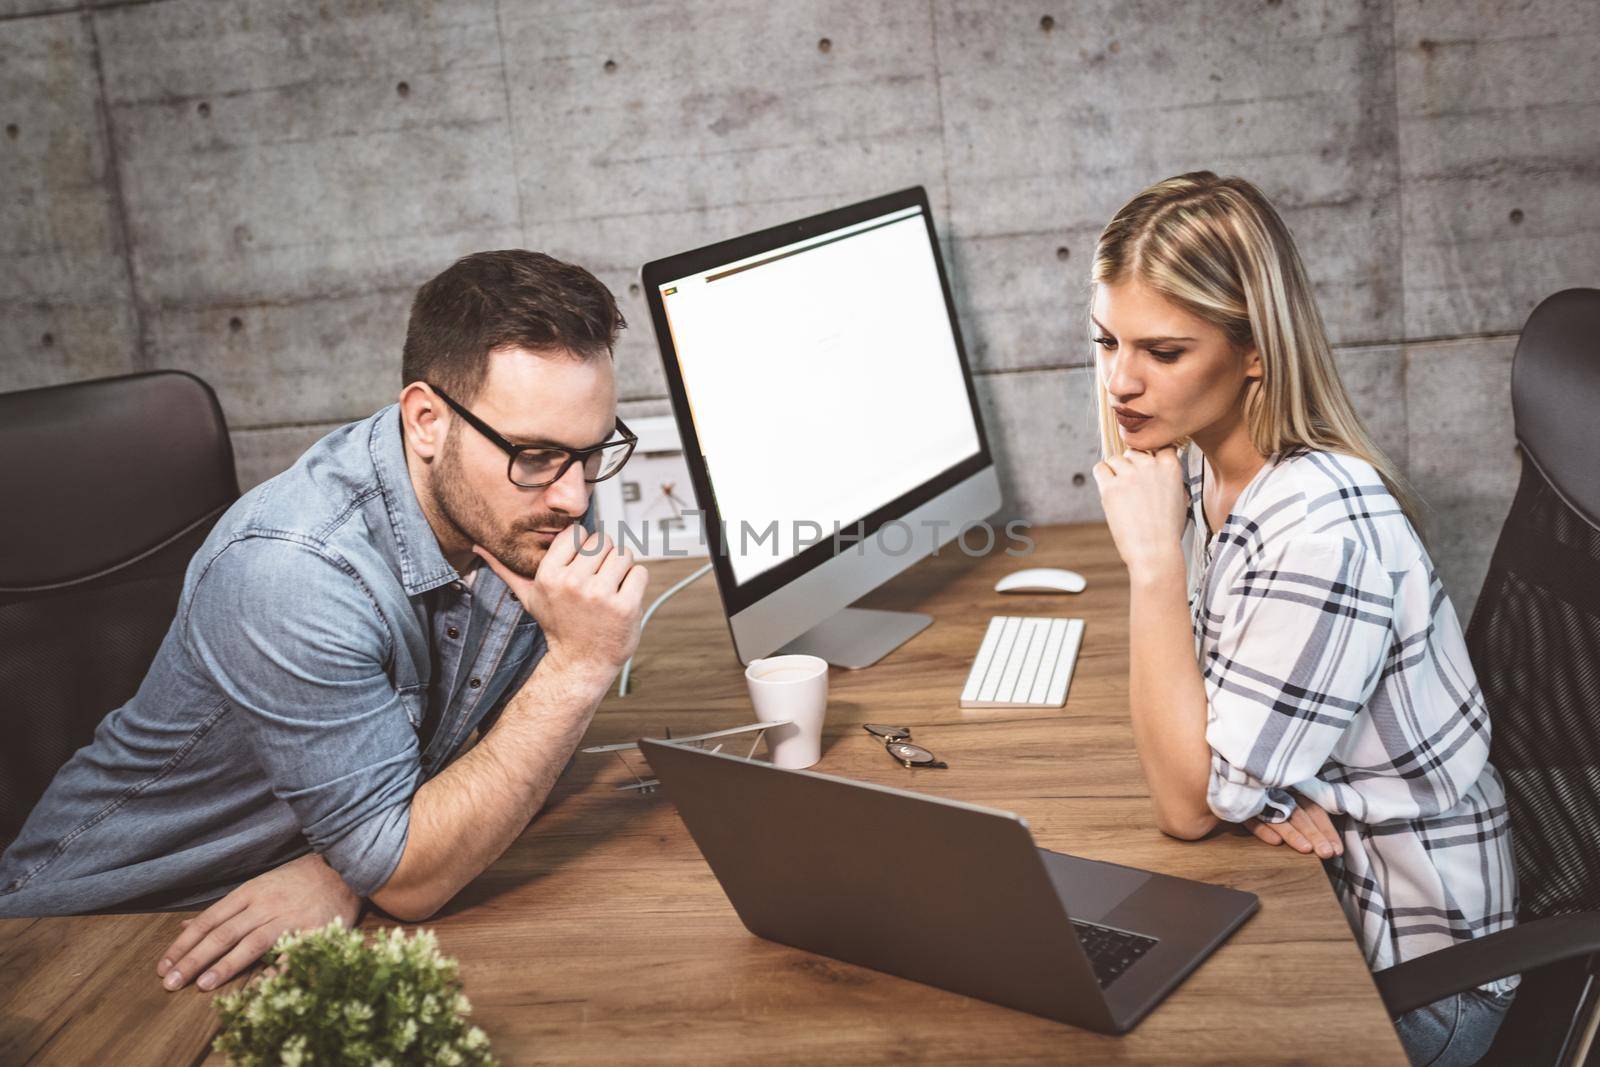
793 688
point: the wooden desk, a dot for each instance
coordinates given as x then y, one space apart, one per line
602 936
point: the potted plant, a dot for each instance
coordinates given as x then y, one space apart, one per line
329 996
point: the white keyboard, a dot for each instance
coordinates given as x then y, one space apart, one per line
1024 663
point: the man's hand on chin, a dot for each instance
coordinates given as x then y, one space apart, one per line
238 929
588 598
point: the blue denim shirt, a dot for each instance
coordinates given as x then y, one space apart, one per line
325 660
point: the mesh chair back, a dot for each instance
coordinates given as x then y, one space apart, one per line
108 488
1535 632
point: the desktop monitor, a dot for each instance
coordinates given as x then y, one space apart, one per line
828 419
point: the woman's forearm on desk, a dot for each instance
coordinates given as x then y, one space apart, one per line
464 819
1167 697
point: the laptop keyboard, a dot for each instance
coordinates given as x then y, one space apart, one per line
1111 952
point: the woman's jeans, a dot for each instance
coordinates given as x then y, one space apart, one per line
1452 1032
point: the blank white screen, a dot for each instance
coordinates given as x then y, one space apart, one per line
822 384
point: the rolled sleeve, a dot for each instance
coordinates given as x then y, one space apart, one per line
299 649
1304 634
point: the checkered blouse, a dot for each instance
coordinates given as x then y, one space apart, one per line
1334 665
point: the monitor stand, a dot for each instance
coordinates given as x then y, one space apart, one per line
858 637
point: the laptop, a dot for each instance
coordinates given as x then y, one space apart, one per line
942 892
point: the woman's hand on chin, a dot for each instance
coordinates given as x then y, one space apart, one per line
1146 505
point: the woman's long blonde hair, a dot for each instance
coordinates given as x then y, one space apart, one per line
1216 248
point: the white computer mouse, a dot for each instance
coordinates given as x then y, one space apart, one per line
1041 580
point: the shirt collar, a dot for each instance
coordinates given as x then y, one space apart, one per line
1192 475
422 564
1194 472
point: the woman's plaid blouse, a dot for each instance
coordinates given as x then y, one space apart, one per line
1334 666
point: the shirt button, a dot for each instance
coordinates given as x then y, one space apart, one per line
453 632
476 682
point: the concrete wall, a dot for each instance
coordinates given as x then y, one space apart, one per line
252 189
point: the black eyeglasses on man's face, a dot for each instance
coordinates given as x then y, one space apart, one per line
536 466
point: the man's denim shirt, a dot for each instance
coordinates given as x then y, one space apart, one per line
325 660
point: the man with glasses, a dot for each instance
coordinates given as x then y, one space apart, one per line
418 579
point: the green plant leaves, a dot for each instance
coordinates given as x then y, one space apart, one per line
329 997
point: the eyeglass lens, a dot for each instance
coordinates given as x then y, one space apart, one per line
540 466
915 755
897 740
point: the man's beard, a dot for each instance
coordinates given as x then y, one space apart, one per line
467 513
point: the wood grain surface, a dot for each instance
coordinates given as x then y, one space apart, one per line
602 937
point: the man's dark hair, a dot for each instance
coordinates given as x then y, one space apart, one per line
511 297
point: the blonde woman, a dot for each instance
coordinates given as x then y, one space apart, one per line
1332 705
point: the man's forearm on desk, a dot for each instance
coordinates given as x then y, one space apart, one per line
464 819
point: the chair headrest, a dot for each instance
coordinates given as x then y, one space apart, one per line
97 473
1555 396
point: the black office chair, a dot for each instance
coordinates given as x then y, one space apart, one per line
107 488
1534 640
